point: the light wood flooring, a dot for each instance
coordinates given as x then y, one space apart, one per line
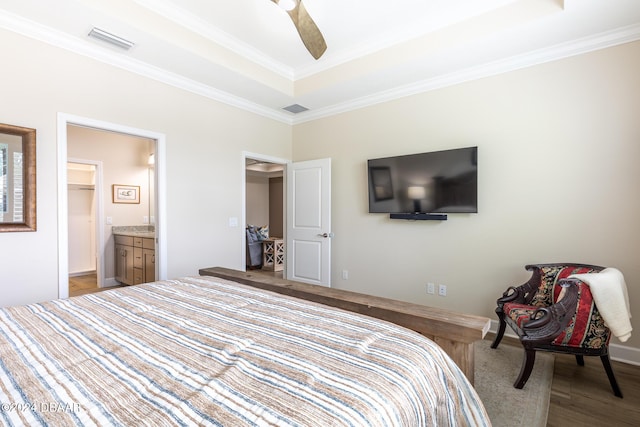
86 284
580 395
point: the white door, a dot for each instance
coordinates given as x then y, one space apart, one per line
308 248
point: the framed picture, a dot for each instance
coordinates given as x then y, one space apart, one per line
381 181
126 193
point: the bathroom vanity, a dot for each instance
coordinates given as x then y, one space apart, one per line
135 256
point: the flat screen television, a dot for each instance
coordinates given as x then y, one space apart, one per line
435 182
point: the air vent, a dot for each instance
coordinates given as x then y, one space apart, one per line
112 39
295 108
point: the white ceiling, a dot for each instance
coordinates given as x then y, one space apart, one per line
247 53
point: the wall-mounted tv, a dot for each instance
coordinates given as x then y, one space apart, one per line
435 182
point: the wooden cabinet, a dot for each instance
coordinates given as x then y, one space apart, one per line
135 259
124 259
148 265
144 261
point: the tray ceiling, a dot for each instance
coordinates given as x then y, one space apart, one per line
247 53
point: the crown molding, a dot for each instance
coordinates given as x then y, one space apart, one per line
195 24
564 50
56 38
59 39
199 26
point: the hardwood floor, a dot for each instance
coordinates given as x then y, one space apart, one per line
581 395
86 284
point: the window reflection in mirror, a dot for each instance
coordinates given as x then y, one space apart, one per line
11 188
17 178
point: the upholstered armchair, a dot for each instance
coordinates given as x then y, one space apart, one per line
552 312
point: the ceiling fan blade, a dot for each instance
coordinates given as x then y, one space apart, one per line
307 29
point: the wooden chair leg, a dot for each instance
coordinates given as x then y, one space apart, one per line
612 379
580 359
501 328
527 367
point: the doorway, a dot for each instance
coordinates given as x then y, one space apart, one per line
264 209
306 217
84 203
157 206
124 160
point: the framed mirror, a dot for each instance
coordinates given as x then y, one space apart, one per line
17 178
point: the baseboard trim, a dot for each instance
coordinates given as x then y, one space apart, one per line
618 352
81 273
625 354
109 282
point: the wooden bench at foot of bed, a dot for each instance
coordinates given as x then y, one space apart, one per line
454 332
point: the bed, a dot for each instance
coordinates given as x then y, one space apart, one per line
207 351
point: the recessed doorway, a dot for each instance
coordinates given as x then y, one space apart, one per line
151 176
84 203
265 214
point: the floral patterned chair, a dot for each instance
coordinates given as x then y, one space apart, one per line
553 313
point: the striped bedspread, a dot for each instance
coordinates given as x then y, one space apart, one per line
204 351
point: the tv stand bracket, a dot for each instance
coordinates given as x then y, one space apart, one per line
418 216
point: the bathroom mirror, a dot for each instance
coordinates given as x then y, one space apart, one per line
17 178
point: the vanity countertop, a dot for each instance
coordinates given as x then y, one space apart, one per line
145 231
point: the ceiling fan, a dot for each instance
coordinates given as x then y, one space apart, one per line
308 30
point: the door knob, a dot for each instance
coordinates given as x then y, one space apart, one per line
325 235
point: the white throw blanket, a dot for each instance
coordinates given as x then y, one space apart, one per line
610 295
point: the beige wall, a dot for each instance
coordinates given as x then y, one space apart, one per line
559 145
276 200
205 141
264 202
257 199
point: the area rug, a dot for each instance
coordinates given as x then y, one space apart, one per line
495 372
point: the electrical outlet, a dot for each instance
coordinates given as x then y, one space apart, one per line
442 290
345 275
431 288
